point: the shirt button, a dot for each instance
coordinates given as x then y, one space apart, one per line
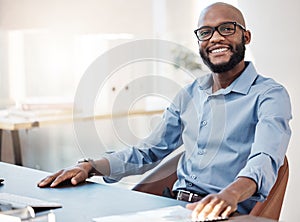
201 152
190 184
203 123
194 177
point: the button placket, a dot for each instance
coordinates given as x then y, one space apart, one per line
204 127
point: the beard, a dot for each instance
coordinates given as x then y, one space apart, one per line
237 57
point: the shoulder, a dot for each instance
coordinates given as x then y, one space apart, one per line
265 85
273 96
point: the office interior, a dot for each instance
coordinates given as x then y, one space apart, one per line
47 46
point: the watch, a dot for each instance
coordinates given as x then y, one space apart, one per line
84 160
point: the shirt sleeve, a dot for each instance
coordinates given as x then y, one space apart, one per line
272 135
166 137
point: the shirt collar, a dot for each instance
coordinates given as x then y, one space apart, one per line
240 85
244 82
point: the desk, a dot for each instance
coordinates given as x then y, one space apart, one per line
88 200
14 123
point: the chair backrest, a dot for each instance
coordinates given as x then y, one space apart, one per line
164 175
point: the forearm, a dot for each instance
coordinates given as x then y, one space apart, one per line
241 189
97 167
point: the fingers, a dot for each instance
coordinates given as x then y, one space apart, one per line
203 209
79 177
76 175
210 208
64 176
227 212
191 206
49 179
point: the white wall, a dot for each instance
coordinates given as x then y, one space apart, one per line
54 42
275 47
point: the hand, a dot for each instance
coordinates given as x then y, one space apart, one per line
76 174
214 205
225 202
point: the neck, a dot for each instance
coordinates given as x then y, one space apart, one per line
223 80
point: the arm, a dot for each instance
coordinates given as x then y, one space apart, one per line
77 174
135 160
225 202
266 156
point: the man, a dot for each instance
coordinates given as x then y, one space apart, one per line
234 125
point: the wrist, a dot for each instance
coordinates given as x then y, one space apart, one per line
88 165
231 192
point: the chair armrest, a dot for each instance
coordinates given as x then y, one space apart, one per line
164 175
271 207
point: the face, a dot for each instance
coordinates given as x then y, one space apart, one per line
223 53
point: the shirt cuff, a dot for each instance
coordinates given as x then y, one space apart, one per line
116 168
260 170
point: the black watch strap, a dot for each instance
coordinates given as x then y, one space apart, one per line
84 160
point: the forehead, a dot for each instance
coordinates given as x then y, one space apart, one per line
214 15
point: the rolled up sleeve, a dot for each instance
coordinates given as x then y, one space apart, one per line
272 136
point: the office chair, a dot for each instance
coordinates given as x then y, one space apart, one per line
164 175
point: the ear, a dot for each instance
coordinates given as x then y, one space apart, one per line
247 37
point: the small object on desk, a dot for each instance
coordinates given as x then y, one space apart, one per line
18 201
5 206
20 213
26 215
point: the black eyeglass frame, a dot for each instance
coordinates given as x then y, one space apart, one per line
216 28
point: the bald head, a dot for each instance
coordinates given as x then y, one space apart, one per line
220 11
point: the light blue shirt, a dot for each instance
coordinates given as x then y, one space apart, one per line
240 131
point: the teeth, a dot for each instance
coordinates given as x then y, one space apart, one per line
219 50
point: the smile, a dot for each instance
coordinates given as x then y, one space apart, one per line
219 50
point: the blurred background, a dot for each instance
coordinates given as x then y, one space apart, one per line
46 47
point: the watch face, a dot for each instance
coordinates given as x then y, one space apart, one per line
84 160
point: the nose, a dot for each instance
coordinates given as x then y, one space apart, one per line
216 36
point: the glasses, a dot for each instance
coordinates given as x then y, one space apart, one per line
225 29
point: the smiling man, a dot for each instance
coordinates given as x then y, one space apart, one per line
233 123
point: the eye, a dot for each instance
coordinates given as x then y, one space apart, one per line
202 33
226 29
